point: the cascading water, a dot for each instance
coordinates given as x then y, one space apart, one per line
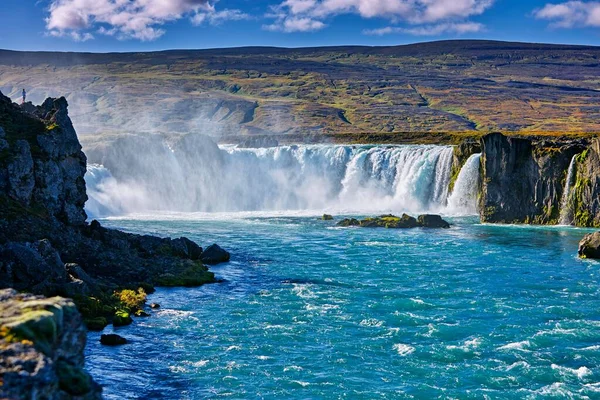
566 214
463 199
192 177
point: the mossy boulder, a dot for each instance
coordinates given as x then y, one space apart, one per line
122 318
141 313
327 217
432 221
589 247
42 343
390 221
195 275
73 379
349 222
96 324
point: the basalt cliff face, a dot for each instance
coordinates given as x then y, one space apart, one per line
43 222
526 181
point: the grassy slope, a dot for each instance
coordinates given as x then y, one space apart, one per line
358 93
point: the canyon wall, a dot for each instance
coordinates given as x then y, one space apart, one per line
524 181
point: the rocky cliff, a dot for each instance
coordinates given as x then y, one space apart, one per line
45 243
523 180
42 345
48 248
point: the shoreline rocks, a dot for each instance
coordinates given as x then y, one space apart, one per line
42 342
112 339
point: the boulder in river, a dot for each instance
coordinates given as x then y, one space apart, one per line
122 318
112 339
349 222
589 246
214 254
327 217
432 221
393 222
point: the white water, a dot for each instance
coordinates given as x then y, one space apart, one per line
566 214
463 199
296 178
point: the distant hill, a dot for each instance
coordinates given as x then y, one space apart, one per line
444 86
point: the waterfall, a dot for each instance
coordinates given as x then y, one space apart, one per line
463 200
566 214
186 177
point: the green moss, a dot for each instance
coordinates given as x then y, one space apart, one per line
37 326
582 156
195 275
122 318
72 379
132 300
489 212
95 324
13 210
52 126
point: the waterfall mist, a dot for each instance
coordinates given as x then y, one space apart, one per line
192 174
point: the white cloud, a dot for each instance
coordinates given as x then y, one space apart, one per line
295 25
310 15
218 17
570 14
139 19
430 30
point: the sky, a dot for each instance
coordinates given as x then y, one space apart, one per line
145 25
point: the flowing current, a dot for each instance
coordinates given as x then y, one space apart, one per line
566 214
193 178
464 196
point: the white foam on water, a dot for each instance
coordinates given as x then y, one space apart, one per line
403 349
516 345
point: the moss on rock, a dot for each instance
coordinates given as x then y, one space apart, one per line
195 275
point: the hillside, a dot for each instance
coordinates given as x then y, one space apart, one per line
450 86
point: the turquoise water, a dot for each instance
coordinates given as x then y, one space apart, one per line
310 311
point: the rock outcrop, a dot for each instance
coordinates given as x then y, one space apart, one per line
584 199
42 343
589 246
394 222
523 180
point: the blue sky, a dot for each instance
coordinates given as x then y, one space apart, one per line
141 25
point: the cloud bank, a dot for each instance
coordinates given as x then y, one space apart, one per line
447 15
127 19
570 14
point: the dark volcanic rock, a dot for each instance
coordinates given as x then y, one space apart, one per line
589 247
349 222
432 221
42 220
393 222
122 318
523 182
584 201
112 339
42 344
390 221
214 254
